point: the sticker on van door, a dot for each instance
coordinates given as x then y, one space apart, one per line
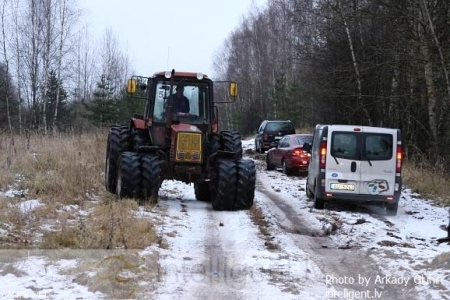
376 186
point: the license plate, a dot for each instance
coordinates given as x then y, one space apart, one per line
278 137
342 186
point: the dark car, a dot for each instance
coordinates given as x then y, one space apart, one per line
289 154
270 133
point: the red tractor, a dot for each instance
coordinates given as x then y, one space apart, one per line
181 142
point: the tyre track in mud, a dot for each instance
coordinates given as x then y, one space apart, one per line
207 253
343 269
219 258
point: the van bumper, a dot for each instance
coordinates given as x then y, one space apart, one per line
362 198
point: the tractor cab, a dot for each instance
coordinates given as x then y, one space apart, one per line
162 106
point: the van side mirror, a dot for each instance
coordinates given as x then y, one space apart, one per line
307 147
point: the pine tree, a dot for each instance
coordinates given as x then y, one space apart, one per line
103 110
63 118
5 84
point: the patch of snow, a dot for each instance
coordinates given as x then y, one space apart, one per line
29 205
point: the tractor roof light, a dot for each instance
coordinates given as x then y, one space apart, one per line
200 76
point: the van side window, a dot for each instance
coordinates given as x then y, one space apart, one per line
345 145
378 146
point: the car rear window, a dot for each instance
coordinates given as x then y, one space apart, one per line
279 126
362 146
303 139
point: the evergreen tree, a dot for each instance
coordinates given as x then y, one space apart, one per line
103 110
63 117
7 91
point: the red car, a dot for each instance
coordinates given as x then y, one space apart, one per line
289 154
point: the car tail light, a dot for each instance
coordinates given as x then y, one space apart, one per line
297 152
323 154
265 136
398 158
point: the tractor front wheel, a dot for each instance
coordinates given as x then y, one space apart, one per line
202 192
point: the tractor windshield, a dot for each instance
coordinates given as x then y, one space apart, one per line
190 103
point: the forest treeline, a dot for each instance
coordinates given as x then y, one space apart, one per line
366 62
53 76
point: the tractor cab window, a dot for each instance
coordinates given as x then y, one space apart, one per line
194 112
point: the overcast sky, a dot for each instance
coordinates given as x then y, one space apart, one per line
168 34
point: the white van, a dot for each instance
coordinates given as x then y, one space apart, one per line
355 163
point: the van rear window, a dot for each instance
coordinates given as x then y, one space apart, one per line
345 145
361 145
378 146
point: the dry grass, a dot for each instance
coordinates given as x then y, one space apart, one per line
64 168
429 181
66 174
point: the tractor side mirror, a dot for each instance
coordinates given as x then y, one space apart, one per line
131 86
233 89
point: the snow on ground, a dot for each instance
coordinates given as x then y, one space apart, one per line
404 246
215 254
206 254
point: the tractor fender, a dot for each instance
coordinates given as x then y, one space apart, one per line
138 123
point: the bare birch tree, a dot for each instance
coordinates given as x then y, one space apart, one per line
6 81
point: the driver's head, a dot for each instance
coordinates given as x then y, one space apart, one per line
180 89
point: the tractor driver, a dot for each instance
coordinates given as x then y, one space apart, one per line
180 102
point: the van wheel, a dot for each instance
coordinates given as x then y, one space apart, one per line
391 209
307 191
318 203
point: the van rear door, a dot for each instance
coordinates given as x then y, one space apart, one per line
378 161
343 162
361 160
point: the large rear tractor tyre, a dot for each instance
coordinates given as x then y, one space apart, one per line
118 142
225 186
231 141
128 176
212 146
246 178
151 177
202 191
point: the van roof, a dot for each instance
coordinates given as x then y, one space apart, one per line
352 127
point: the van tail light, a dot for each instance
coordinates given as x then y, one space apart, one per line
265 136
323 154
398 159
